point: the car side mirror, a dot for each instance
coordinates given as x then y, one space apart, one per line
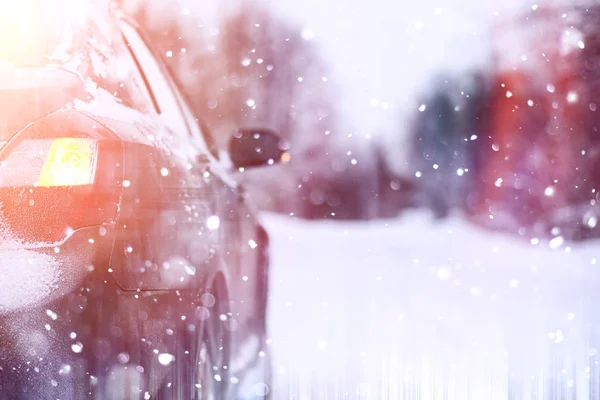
255 147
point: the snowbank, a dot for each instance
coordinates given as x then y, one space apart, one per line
413 306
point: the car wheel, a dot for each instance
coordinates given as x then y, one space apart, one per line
257 379
214 353
204 385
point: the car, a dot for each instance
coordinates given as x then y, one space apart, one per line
133 265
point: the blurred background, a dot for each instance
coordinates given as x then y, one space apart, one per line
341 81
437 104
434 224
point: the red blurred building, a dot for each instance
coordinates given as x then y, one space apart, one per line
539 150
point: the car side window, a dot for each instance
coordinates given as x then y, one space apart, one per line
105 58
198 132
164 99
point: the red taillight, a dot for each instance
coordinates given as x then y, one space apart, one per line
50 162
62 173
70 162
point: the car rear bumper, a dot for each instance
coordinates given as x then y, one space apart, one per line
34 274
47 292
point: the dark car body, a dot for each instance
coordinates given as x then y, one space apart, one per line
133 264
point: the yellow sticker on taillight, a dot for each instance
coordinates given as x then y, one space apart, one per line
70 162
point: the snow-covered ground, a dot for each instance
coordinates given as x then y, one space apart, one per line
415 309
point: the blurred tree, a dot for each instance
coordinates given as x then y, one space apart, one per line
530 125
589 72
542 117
438 144
252 68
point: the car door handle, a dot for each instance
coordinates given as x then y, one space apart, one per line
202 159
202 165
242 193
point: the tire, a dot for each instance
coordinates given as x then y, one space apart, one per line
213 355
257 380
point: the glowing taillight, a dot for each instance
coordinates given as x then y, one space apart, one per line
50 163
70 162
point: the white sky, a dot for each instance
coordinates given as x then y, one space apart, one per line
384 52
384 49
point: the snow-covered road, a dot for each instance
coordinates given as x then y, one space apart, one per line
414 309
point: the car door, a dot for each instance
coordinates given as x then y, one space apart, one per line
166 237
241 252
213 220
